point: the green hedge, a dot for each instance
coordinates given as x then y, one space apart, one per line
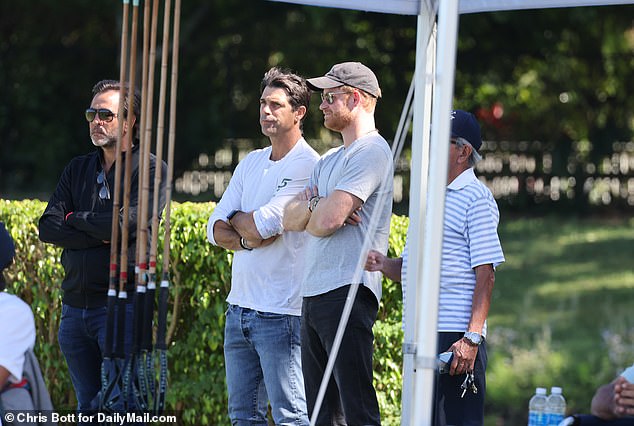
200 280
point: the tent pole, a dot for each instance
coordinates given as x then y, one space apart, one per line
425 42
427 302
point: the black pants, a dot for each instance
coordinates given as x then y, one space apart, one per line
450 408
588 420
350 398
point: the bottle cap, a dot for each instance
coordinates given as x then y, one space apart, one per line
555 390
540 391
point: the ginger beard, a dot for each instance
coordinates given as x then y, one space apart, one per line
337 120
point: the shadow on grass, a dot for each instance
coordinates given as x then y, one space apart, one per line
561 312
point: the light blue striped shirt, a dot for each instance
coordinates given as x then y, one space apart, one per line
470 239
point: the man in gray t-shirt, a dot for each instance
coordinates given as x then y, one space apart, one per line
350 185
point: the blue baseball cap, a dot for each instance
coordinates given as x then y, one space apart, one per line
465 125
7 248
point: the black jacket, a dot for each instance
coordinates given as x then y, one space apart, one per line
85 234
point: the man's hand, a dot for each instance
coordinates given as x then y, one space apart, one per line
308 193
375 261
390 267
262 243
623 397
354 218
614 400
464 356
296 212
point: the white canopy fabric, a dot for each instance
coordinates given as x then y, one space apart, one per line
413 7
437 31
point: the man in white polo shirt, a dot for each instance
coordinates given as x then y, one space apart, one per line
17 337
471 251
262 330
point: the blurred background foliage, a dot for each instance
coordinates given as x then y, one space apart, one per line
560 313
554 75
558 76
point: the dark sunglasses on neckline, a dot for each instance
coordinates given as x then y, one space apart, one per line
102 113
104 191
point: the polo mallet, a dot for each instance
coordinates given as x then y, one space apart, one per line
161 341
140 392
127 183
108 382
151 290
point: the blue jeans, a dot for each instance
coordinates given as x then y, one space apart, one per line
350 397
263 363
81 336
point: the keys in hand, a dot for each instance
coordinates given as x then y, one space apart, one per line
468 384
474 389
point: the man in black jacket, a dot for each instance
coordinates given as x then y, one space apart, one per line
79 218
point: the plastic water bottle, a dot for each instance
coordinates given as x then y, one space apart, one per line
537 408
555 407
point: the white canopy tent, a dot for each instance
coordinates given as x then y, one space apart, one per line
437 31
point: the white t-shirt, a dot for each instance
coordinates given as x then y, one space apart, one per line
267 279
17 336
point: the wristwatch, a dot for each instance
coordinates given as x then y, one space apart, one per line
473 338
312 203
243 244
231 215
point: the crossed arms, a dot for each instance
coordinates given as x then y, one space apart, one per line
328 213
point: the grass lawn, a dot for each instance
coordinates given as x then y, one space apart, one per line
562 312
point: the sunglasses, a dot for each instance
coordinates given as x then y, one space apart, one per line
101 113
330 96
104 191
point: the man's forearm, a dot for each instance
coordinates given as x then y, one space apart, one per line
322 222
54 230
392 268
296 215
485 280
262 243
603 402
330 213
4 376
225 236
98 225
244 224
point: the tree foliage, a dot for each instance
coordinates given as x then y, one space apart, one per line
559 75
200 279
555 75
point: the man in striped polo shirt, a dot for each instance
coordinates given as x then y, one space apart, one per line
470 253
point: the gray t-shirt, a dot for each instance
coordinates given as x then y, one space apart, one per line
364 169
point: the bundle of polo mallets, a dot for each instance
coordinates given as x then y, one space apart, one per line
132 383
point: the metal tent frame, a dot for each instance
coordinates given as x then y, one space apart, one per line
437 31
